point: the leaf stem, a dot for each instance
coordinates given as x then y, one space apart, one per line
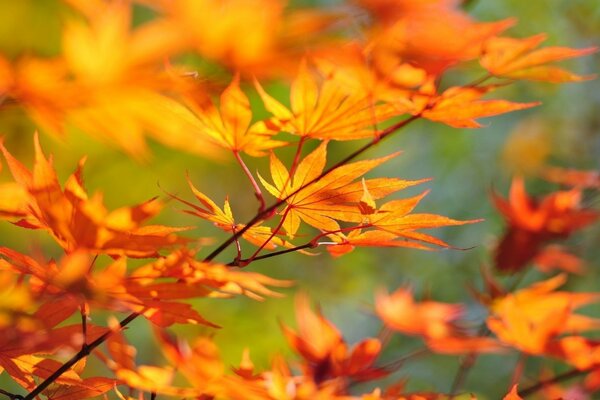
269 210
262 246
257 191
84 352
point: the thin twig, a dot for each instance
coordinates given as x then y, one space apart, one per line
11 396
556 379
275 232
237 263
309 245
84 352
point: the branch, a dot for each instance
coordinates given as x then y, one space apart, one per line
556 379
11 396
271 209
309 245
84 352
238 263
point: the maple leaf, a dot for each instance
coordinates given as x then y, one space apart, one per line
373 238
411 30
224 281
88 388
328 112
109 288
324 350
105 82
144 377
395 217
230 126
223 219
25 346
437 323
390 81
77 221
556 257
41 87
530 318
513 394
256 37
428 319
459 107
202 366
320 200
518 59
581 352
572 177
532 223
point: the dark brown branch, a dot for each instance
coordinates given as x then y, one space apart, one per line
240 263
11 396
84 352
267 212
556 379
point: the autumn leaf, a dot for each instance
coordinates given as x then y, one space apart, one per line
519 59
557 257
89 388
320 200
223 219
224 281
200 362
144 377
530 318
77 221
410 31
325 353
229 126
513 395
327 112
344 244
459 107
428 319
533 222
572 177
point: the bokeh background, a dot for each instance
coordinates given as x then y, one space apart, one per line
465 164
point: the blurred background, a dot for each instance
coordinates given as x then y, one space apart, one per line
466 165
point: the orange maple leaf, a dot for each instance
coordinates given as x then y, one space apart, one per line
328 112
530 318
572 177
428 319
77 221
532 223
513 394
324 350
229 126
517 59
437 323
459 107
223 219
321 200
